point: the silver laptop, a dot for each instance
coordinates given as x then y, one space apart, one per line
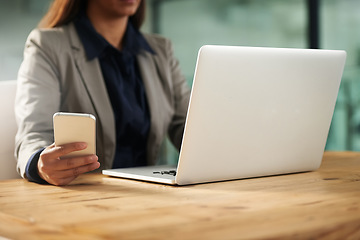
253 112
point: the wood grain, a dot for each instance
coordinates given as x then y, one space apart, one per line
324 204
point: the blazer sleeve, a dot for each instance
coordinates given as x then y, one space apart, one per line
38 95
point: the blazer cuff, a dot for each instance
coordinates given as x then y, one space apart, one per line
31 170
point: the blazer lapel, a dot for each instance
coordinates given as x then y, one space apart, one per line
149 76
90 73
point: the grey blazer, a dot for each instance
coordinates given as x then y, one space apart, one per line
56 76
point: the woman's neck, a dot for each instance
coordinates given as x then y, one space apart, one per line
112 29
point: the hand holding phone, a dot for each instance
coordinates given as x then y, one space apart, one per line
74 150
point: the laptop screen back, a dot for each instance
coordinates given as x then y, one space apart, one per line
258 111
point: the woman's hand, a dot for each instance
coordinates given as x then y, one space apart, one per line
59 171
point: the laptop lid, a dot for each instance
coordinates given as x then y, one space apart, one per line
258 112
253 112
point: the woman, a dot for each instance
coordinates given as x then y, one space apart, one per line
89 57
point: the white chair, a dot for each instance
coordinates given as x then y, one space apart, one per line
8 129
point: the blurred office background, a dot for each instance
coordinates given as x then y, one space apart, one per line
328 24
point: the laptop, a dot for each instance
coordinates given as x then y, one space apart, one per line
253 112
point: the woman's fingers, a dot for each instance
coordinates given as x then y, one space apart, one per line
76 171
64 177
61 171
74 162
54 152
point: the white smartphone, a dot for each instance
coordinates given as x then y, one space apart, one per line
75 127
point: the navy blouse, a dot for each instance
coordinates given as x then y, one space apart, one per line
125 88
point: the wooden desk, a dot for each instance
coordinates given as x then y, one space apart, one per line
316 205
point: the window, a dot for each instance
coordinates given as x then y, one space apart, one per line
339 29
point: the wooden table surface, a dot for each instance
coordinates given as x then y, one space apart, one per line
324 204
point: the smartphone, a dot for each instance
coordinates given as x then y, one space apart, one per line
75 127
